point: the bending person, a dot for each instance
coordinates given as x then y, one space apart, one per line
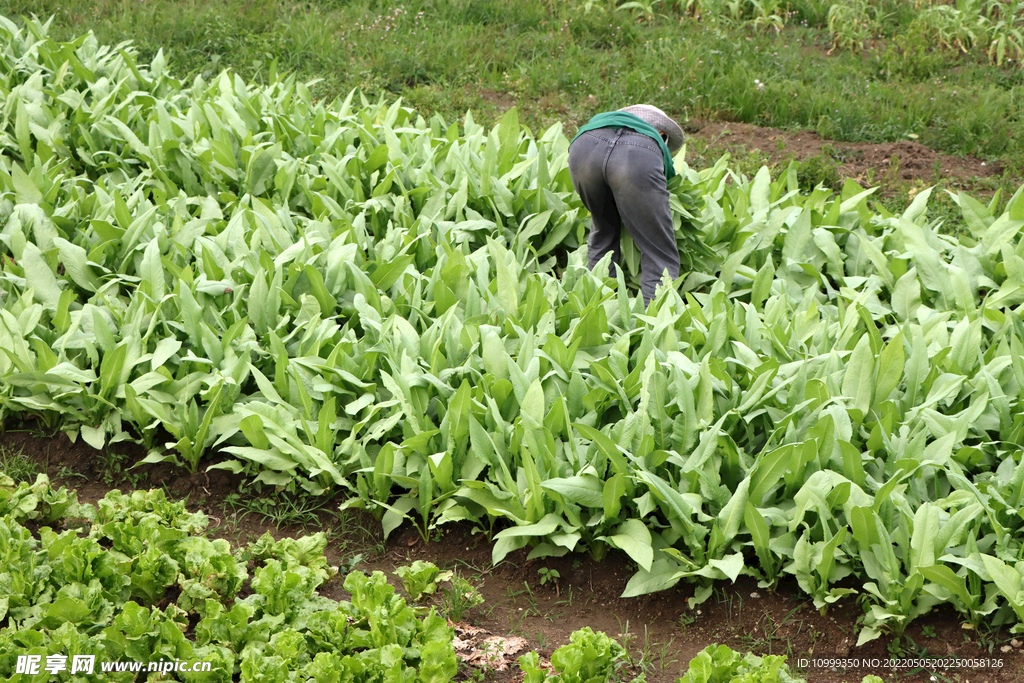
620 163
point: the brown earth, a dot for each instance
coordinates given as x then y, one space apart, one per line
867 163
660 632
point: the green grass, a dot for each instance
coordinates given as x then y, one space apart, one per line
17 465
281 510
560 63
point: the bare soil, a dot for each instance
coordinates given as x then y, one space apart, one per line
867 163
660 632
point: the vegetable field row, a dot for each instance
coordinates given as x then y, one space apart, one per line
348 295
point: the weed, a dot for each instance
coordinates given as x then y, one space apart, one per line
988 638
819 170
892 174
530 598
515 626
66 473
664 650
17 465
626 638
460 597
769 628
901 646
349 564
568 600
284 510
549 576
646 660
475 674
815 636
369 538
112 465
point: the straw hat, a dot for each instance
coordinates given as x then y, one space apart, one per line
661 122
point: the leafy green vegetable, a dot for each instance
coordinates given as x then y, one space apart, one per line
307 552
720 664
72 593
588 658
420 579
37 502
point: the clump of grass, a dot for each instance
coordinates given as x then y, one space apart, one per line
17 465
282 510
114 469
820 169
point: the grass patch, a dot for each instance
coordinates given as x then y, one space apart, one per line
282 510
559 62
17 465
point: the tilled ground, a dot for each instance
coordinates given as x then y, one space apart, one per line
870 164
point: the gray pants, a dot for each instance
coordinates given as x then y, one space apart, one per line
620 176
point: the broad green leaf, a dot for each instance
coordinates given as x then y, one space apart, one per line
25 189
890 367
39 277
633 538
584 490
859 380
662 576
533 403
611 495
546 526
606 445
731 516
152 271
760 536
1008 580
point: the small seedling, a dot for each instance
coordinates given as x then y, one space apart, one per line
350 563
548 575
460 598
66 473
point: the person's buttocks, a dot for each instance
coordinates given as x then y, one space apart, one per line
620 163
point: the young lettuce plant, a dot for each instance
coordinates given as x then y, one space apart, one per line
420 579
590 657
